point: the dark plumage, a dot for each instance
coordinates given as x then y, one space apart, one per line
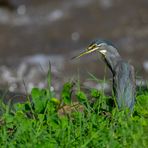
123 72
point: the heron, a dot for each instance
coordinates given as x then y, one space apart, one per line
124 87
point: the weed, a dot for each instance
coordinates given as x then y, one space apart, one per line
91 121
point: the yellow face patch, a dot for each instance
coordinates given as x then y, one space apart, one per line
91 47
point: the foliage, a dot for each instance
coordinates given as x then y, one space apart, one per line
45 121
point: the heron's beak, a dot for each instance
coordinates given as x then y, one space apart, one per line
87 51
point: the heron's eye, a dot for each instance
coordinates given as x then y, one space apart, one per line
92 46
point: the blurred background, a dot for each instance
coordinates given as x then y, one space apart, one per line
32 32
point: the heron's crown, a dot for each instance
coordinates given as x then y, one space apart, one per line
100 41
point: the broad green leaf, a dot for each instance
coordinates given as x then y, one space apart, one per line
81 96
55 100
39 98
95 93
66 92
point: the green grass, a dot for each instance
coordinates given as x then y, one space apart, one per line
94 122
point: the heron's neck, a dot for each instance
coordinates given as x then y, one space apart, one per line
112 61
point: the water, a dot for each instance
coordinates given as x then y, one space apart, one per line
35 32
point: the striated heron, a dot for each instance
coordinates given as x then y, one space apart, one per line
124 87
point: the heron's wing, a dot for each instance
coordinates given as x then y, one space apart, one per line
124 84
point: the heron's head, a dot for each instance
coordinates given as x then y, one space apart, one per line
105 48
